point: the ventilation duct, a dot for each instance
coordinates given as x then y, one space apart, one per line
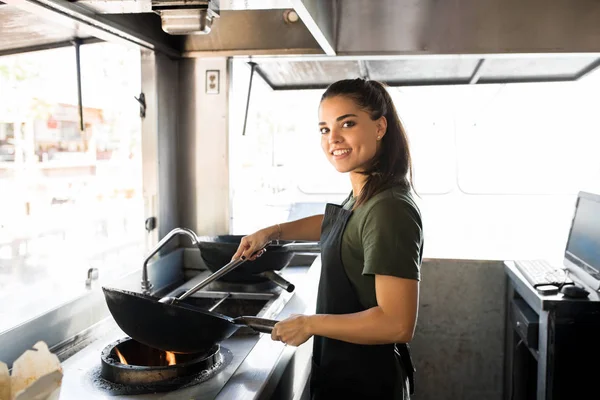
186 17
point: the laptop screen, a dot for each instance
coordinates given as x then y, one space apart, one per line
583 246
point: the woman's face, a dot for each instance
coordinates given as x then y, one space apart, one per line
349 138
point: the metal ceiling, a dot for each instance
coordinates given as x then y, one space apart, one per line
467 26
318 72
143 6
252 32
400 42
22 31
247 28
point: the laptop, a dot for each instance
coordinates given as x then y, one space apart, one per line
582 252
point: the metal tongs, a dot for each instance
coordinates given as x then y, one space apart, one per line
233 264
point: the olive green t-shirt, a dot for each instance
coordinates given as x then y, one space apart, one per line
384 236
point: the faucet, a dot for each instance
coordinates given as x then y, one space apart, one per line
146 285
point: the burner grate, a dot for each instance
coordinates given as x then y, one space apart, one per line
130 367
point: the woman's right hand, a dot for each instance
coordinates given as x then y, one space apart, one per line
253 246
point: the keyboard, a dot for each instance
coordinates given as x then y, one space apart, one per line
539 272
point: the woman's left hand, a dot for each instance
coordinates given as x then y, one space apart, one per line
293 330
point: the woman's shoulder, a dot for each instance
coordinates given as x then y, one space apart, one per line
393 200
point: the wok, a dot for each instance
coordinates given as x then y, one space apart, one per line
217 251
177 327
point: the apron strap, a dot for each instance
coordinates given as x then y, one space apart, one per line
403 351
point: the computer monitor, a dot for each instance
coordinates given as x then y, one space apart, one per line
583 245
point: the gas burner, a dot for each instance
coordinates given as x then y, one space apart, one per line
130 367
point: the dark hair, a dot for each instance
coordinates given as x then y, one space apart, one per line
392 165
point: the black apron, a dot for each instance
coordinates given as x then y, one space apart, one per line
341 368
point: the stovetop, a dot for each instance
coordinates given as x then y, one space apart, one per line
247 358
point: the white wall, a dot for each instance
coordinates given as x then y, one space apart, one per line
204 147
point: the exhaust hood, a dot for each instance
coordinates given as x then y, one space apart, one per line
399 42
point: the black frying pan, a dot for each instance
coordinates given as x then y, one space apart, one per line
217 251
178 327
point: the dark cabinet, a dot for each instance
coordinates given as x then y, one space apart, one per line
552 344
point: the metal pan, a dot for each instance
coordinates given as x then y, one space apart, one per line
217 251
178 327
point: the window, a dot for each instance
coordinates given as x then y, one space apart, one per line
428 119
528 139
70 199
278 163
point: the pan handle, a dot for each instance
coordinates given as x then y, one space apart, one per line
302 247
278 280
258 324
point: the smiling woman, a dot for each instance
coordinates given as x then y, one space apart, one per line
371 252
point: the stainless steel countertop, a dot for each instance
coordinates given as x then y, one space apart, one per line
252 361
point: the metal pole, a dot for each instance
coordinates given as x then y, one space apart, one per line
77 44
252 67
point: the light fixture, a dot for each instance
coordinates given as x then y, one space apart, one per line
186 17
290 16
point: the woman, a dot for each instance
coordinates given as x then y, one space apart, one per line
371 252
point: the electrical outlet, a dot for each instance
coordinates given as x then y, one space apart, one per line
212 82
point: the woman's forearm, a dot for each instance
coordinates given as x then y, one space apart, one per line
371 326
308 228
